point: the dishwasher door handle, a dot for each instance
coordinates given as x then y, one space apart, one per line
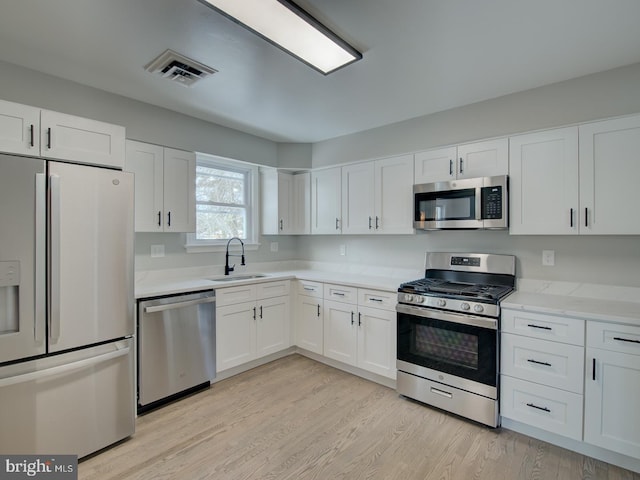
172 306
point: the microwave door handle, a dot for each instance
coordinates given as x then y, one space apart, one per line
479 204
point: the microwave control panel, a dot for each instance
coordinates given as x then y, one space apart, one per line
492 202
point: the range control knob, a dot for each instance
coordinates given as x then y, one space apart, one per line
441 302
478 308
419 299
408 298
464 306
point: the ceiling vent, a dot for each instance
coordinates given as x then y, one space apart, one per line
178 68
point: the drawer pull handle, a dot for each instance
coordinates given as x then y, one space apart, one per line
531 360
544 409
629 340
442 393
318 310
593 369
340 294
539 326
309 289
376 300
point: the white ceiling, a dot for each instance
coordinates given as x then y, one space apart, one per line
420 56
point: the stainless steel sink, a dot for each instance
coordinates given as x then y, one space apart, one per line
231 278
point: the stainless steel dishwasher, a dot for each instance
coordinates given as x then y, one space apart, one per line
176 347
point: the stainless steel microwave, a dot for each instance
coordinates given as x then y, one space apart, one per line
472 203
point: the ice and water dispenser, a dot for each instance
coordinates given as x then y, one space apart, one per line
9 297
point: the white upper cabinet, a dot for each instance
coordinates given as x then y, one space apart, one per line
285 202
164 187
543 176
26 130
576 180
19 128
479 159
326 201
358 209
609 172
377 197
394 195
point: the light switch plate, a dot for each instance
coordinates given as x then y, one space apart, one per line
274 246
343 250
157 251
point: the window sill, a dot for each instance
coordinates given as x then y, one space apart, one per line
221 247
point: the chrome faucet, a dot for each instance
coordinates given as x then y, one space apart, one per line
228 269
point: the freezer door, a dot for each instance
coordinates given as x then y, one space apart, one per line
73 403
22 257
91 255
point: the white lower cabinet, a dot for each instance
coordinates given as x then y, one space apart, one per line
541 371
252 321
310 316
360 335
612 388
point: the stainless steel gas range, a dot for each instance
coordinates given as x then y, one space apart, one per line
448 333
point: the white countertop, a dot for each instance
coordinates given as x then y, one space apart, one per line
155 283
603 303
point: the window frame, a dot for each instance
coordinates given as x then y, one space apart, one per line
195 245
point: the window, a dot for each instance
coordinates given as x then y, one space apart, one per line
226 193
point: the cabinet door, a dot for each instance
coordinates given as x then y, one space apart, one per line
272 325
612 389
146 162
235 335
377 341
309 328
609 172
340 331
19 128
394 195
326 201
179 191
80 140
543 182
301 221
483 159
285 203
435 165
358 198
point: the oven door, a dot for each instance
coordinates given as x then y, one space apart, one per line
455 349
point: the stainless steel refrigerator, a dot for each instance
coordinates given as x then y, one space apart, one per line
66 307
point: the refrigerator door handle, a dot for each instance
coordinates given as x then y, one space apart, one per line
54 245
39 280
66 368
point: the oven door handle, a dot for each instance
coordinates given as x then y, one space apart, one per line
472 320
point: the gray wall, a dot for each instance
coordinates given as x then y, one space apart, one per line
143 121
611 93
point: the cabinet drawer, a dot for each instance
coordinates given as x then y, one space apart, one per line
272 289
547 327
310 289
543 407
340 293
615 337
239 294
377 299
541 361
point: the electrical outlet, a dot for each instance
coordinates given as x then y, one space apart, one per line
157 251
548 258
274 246
343 250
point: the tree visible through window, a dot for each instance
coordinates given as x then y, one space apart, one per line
223 200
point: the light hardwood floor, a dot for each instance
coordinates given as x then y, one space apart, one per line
298 419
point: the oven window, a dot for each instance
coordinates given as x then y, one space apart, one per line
444 345
454 205
463 350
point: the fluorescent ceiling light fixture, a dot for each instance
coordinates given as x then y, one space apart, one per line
289 27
